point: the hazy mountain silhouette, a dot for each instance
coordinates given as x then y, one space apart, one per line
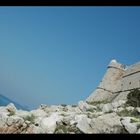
5 101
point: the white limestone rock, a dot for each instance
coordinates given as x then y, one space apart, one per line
110 107
107 108
100 106
98 113
14 120
138 132
107 123
83 123
85 107
3 119
52 108
73 109
81 105
22 113
4 110
38 113
138 109
49 123
70 108
70 117
11 107
130 127
77 110
118 103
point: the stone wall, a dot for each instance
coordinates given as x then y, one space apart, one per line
131 77
118 79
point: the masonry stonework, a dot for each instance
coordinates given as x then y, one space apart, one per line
117 82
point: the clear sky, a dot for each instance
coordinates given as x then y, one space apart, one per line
54 55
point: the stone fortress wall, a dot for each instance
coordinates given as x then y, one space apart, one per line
117 82
131 77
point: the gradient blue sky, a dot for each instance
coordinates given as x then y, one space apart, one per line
54 55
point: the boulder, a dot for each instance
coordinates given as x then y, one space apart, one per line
82 105
11 107
14 120
107 123
66 121
107 108
118 103
50 109
83 123
3 109
95 114
48 124
138 131
138 109
129 126
86 107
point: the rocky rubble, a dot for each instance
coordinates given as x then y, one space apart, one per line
113 117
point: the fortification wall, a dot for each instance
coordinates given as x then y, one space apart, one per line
131 82
131 77
135 68
109 84
117 82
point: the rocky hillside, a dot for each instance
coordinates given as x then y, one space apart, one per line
104 111
99 117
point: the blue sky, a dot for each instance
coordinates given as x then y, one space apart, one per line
54 55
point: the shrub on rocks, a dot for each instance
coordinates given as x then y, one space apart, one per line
133 98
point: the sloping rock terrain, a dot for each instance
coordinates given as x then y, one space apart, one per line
85 118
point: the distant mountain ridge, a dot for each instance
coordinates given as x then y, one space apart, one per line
5 101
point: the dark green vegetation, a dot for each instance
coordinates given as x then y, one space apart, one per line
98 102
30 118
133 98
125 112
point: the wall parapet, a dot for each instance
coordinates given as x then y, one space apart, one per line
131 73
115 68
114 64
